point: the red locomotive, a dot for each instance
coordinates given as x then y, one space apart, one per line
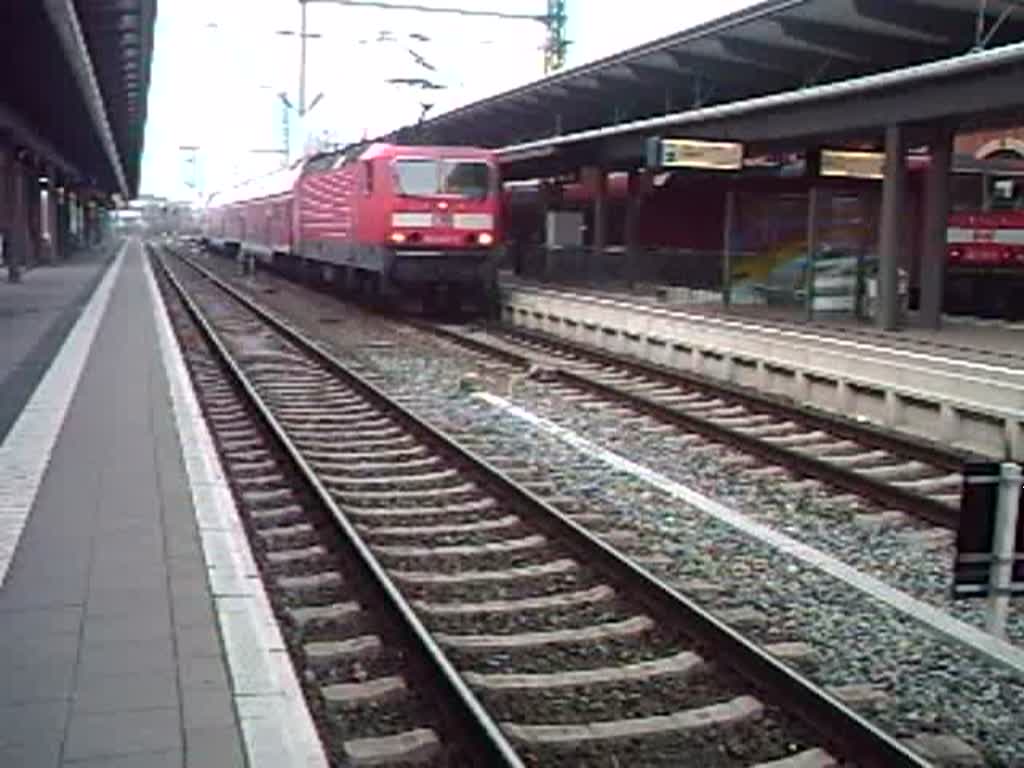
378 218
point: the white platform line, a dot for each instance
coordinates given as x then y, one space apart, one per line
276 725
991 647
25 453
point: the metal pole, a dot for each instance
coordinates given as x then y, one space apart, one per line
812 251
302 62
1001 573
979 33
894 191
600 213
727 245
936 223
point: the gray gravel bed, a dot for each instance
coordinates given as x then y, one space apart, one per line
921 567
523 588
456 564
592 703
743 745
648 646
531 621
449 539
933 686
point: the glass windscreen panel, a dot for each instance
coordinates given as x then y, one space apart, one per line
416 178
470 179
465 178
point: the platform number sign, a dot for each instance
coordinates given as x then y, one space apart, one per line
972 570
694 153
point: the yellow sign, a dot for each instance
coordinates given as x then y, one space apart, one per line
693 153
852 164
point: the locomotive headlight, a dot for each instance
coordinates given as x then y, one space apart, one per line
397 237
485 238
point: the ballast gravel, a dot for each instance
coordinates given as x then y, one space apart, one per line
932 685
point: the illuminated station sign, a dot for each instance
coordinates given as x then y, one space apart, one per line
852 164
694 153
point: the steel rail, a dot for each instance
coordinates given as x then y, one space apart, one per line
837 724
483 734
840 477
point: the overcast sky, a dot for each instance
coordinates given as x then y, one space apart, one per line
218 66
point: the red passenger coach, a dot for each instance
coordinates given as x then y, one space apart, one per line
380 217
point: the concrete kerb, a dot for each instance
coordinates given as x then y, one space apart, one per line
979 414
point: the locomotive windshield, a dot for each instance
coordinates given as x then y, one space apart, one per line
465 178
417 177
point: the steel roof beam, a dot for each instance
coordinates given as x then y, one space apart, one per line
777 58
728 73
858 43
921 16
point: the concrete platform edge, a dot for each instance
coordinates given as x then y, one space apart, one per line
277 728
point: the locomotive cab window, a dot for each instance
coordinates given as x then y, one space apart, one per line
466 178
415 177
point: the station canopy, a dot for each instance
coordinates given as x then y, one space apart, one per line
771 47
119 36
74 81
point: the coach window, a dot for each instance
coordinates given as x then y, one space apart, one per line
368 178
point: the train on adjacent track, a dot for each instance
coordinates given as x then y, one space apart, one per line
374 218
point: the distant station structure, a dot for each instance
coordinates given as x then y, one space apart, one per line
74 78
862 122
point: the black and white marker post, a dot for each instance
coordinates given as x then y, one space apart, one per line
1003 553
990 540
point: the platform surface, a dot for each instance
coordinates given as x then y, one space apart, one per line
971 339
110 653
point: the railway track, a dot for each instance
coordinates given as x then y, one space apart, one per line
508 634
894 472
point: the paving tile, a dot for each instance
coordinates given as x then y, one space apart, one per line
169 759
120 693
140 628
35 590
35 621
221 747
143 569
126 658
32 721
158 612
186 564
19 649
180 543
14 602
37 754
190 613
93 735
200 640
195 586
37 681
205 672
124 598
206 708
